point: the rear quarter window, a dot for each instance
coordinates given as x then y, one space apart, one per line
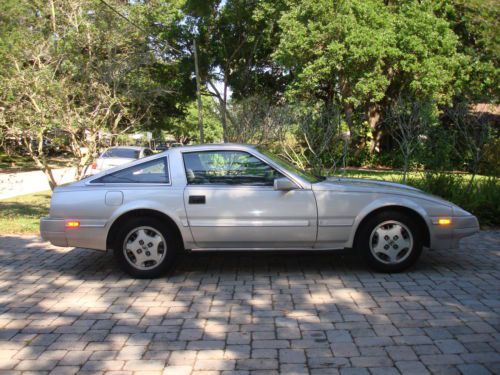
151 172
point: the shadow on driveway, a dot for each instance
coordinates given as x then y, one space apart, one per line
289 312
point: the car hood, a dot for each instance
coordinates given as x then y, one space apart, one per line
375 186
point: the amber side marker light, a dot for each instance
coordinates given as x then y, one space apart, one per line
444 221
72 224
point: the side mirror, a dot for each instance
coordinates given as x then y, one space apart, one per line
284 184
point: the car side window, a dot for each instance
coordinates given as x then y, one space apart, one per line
151 172
227 168
148 152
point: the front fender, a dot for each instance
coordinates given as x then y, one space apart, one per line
382 203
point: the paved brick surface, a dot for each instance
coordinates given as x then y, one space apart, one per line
67 311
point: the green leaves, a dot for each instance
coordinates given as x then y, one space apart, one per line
358 50
429 61
131 65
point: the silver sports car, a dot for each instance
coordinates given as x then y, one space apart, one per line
239 197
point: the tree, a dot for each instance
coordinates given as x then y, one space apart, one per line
29 92
186 130
256 120
475 22
322 141
235 47
81 67
409 120
31 97
363 54
474 130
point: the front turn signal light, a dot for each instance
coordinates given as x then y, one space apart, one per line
72 224
444 221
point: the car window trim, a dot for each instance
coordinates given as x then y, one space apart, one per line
271 165
301 184
128 184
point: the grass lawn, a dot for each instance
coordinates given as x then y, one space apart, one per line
11 164
21 215
392 175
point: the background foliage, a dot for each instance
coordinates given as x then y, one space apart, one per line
326 83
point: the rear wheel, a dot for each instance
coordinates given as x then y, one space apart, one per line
390 241
146 247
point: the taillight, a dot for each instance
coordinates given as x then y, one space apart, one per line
94 165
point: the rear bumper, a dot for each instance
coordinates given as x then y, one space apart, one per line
88 235
53 230
448 237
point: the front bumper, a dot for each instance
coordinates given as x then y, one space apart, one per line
448 237
465 226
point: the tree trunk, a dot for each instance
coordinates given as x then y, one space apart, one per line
88 158
373 116
405 169
348 112
53 16
356 141
40 160
345 92
84 159
224 108
50 177
198 93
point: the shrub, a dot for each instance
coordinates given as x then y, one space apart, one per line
437 153
490 163
483 199
445 185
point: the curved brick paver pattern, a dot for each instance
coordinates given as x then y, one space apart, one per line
65 311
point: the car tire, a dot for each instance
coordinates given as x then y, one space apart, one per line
146 247
390 241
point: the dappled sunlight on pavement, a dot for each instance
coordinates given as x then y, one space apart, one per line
71 310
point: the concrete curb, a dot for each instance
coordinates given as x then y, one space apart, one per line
21 183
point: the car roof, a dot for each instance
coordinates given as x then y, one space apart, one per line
214 146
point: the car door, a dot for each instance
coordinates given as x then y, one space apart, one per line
231 203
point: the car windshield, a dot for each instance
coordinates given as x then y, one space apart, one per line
289 166
129 153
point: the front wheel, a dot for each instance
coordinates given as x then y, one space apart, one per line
145 247
390 241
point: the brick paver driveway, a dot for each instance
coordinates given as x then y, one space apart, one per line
72 310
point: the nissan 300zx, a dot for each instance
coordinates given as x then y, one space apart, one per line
240 197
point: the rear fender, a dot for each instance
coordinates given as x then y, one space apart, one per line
176 214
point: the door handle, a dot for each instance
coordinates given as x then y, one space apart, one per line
197 199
